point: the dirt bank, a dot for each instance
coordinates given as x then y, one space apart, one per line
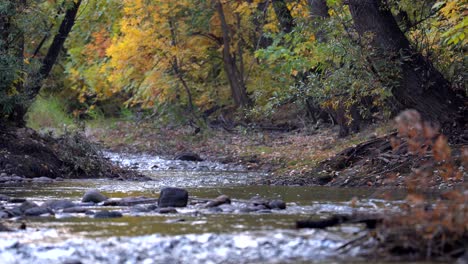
25 153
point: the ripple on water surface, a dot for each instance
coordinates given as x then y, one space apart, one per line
192 235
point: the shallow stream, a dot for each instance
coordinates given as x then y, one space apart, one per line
193 235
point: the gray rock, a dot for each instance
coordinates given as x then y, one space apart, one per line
188 156
27 205
173 197
93 196
75 210
215 210
107 214
4 197
129 201
4 215
37 211
58 204
17 200
222 199
167 210
43 180
277 204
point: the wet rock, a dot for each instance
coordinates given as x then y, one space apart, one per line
37 211
4 215
75 210
93 196
43 180
27 205
264 211
58 204
188 156
222 199
11 179
257 201
17 200
215 210
4 197
173 197
166 210
107 214
277 204
129 201
246 210
14 212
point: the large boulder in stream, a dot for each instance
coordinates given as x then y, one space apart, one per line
173 197
93 196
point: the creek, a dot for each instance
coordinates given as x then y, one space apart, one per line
194 234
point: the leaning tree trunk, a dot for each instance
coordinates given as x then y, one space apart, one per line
234 76
48 62
421 86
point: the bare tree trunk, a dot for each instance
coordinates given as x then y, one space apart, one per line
235 78
421 86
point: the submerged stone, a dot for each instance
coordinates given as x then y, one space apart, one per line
93 196
222 199
107 214
37 211
277 204
58 204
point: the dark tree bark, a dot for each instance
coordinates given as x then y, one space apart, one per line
284 16
20 110
56 46
234 75
421 85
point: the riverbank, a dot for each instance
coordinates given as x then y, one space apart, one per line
301 157
26 155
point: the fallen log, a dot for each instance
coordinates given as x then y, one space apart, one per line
371 221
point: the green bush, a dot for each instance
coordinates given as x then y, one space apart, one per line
48 113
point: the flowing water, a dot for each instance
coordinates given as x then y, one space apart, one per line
194 234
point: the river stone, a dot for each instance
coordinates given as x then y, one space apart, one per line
27 205
75 210
129 201
93 196
222 199
107 214
4 197
37 211
17 200
167 210
277 204
4 215
188 156
42 180
58 204
173 197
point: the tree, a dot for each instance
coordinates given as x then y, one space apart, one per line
12 43
421 86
